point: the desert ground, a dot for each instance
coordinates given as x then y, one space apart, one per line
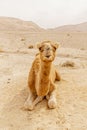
15 61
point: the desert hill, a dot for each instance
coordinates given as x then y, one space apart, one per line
14 24
82 27
16 34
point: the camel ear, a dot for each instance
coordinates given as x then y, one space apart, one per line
55 45
39 46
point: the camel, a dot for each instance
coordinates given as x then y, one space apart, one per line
42 76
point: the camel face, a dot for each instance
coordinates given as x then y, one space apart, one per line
47 51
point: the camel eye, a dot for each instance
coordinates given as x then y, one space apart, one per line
41 49
54 49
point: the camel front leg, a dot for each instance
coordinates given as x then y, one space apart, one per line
37 100
52 103
29 102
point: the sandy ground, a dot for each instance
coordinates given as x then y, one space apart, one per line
20 40
71 111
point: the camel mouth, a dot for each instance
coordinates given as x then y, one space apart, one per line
48 56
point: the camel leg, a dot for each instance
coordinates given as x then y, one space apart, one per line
52 103
29 102
47 96
37 100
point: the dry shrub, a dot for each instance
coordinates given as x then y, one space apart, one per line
68 34
1 50
68 64
22 39
71 64
31 46
82 49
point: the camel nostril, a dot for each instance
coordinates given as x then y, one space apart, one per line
48 48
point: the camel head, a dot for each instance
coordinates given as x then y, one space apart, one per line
47 50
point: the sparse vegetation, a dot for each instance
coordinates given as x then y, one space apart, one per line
30 46
82 49
1 50
23 39
68 64
68 34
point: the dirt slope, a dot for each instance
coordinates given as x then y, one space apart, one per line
82 27
14 24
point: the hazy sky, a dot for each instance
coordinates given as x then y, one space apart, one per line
46 13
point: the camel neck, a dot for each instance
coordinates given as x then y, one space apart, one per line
45 68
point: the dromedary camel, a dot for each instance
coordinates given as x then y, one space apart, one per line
42 76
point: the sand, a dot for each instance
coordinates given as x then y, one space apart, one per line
71 111
15 62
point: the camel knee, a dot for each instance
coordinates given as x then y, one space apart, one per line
28 105
52 103
38 99
29 102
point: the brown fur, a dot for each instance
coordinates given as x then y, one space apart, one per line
42 76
